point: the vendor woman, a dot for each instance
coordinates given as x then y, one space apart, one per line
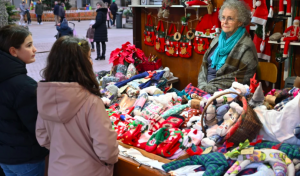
232 54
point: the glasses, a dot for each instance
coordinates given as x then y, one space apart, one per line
229 19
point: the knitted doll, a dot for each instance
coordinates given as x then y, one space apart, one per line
229 118
210 118
164 10
293 36
258 97
280 163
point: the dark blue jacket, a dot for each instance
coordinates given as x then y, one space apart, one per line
56 9
64 29
18 113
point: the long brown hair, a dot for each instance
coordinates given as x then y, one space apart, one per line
68 61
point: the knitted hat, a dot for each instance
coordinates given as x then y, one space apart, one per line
113 90
258 94
260 16
209 26
296 19
195 2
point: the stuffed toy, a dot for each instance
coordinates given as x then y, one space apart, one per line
194 103
230 118
292 36
163 12
221 111
193 120
257 98
212 137
196 136
210 116
253 83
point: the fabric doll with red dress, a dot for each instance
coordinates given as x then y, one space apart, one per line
292 36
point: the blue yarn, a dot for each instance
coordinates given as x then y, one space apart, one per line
224 47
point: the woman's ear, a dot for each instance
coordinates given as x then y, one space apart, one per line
13 51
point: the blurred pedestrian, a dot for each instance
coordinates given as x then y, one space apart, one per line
56 13
90 35
22 13
114 10
39 12
100 30
108 15
27 13
62 12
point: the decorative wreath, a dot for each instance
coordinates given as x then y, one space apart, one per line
177 36
190 35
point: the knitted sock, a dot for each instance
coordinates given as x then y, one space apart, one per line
188 113
156 138
131 136
168 147
174 121
142 142
174 110
194 150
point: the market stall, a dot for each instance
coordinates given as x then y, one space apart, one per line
166 127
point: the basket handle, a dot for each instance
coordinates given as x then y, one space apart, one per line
208 103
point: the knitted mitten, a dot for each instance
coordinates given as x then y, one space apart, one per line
168 147
174 121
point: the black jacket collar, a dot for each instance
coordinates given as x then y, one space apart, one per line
10 66
104 10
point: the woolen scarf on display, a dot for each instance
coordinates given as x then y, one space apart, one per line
224 47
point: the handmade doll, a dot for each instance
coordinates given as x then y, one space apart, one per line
293 36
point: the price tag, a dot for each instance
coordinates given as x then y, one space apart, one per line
247 151
207 150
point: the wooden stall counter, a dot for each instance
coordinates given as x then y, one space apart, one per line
129 167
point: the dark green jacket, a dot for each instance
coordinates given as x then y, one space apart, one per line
241 63
39 8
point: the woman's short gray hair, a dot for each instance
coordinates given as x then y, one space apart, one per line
243 10
101 3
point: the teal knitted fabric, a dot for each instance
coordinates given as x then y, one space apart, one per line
224 47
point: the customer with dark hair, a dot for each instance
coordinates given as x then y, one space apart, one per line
39 12
20 153
100 30
72 121
114 10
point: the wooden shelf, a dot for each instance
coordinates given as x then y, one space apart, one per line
174 6
282 43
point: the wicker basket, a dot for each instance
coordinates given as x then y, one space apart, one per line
247 125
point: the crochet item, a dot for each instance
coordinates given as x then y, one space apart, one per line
169 146
131 71
230 118
142 142
278 160
188 113
139 103
157 137
258 97
194 150
221 111
132 135
152 109
155 123
215 163
292 151
173 121
174 110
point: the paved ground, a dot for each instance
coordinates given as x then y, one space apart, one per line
43 38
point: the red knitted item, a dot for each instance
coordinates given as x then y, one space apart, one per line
131 136
194 150
170 146
156 138
174 121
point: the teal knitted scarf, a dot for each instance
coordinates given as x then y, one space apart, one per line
224 47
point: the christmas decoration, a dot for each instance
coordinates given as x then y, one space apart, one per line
292 36
288 8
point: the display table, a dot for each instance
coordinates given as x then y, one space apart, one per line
128 167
